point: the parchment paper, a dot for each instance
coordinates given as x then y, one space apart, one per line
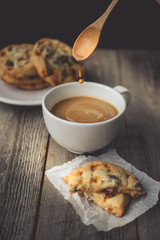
93 214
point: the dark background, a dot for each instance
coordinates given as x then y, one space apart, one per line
133 24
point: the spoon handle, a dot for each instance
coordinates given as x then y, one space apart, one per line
101 20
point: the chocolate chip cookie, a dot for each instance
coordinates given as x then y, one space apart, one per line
106 184
54 62
28 82
16 60
103 177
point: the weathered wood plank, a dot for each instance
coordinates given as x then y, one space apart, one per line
57 217
141 74
23 142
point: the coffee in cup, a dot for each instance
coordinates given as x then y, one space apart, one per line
84 109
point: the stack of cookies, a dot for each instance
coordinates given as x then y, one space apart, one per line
35 66
106 184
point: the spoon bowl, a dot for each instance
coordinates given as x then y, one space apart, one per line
86 43
88 40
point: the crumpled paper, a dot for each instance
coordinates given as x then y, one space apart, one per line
93 214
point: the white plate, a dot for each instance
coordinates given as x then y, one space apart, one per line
12 95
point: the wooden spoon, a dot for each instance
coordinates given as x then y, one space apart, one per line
87 41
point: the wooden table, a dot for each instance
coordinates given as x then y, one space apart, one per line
30 207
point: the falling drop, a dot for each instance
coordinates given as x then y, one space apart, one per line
81 80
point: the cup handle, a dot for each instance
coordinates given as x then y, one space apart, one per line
124 92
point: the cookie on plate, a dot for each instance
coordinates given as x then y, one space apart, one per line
32 86
54 62
28 82
103 177
16 60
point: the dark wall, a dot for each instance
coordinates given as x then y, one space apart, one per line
133 24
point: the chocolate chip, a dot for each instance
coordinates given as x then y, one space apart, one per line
113 177
9 63
49 73
104 190
75 189
137 185
20 59
32 77
63 59
108 193
55 82
90 200
48 52
81 194
127 176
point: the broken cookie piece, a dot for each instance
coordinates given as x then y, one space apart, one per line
99 176
116 205
106 184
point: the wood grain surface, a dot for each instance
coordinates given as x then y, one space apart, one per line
30 206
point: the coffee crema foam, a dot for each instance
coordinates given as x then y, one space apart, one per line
84 110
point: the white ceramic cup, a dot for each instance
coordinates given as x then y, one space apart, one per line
84 137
